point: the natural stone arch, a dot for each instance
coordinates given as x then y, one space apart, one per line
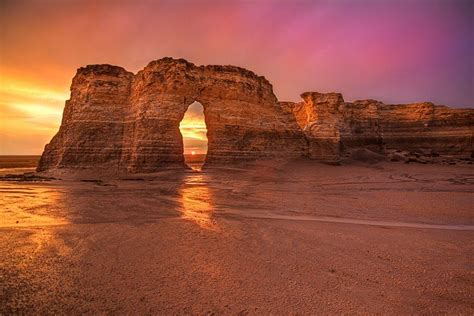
242 114
116 120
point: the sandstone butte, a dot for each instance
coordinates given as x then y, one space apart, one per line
117 120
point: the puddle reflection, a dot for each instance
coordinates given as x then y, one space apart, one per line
197 200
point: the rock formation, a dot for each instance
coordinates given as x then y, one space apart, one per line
335 128
116 120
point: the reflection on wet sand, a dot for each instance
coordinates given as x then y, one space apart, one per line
178 241
28 205
197 200
29 215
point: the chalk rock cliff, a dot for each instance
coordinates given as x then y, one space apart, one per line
91 132
115 119
334 128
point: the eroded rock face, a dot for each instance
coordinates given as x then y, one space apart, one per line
318 116
335 128
241 112
91 132
115 119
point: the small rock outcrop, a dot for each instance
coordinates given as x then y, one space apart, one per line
335 128
117 120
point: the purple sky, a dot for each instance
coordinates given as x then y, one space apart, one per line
396 51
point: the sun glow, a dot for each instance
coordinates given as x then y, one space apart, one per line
194 131
197 201
15 87
30 115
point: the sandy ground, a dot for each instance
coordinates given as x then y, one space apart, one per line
295 238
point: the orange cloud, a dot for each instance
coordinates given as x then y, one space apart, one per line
29 115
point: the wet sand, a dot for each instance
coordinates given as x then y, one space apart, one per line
279 238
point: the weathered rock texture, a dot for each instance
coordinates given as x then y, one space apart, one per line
335 128
116 120
93 124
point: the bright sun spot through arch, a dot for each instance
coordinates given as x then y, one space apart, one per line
194 131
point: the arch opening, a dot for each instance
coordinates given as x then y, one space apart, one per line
194 134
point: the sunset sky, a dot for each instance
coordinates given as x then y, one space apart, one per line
395 51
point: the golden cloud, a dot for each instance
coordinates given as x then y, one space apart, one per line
29 116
